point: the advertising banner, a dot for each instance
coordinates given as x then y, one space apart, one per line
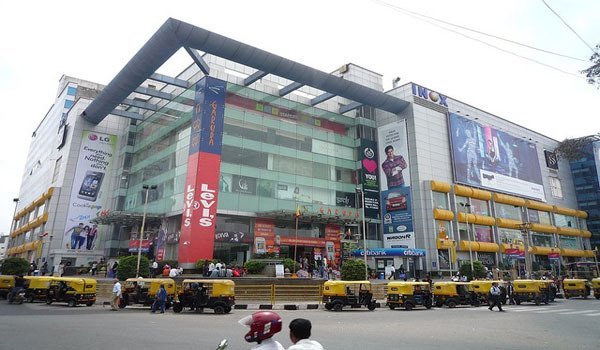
394 175
370 177
490 158
390 252
87 200
264 236
134 245
333 248
203 180
161 244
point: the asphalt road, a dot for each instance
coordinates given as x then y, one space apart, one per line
565 324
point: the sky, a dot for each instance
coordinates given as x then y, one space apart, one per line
42 40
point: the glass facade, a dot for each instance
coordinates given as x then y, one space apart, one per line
587 187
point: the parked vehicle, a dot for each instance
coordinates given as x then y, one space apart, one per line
143 291
198 295
535 291
37 288
596 287
7 282
72 290
576 288
481 288
337 294
16 296
452 294
409 295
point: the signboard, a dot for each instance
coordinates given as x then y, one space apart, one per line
264 236
370 177
551 160
394 174
485 157
279 271
87 200
429 95
515 253
390 252
134 245
202 181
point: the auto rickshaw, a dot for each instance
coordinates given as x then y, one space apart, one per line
481 288
72 290
409 295
550 288
37 287
143 291
337 294
576 288
7 282
454 293
596 287
535 291
198 295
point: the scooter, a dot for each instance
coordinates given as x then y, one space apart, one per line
16 296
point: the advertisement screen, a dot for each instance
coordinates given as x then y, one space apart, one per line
394 174
490 158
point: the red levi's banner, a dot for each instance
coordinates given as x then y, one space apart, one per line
202 182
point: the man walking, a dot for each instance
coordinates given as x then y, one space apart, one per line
495 297
161 300
300 334
116 295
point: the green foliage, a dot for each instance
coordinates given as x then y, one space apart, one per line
353 270
15 266
573 149
128 265
254 266
592 73
465 269
289 264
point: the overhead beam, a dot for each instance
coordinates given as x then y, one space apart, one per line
321 98
140 104
349 107
200 62
127 114
254 77
170 80
154 93
288 89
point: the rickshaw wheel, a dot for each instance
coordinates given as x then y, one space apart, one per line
89 303
49 300
598 296
177 308
337 306
371 306
228 309
408 306
72 302
199 310
477 303
328 306
30 299
566 296
537 301
451 304
392 306
219 309
517 301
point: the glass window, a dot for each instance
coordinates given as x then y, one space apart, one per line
564 221
462 232
510 236
480 207
69 103
483 233
555 187
541 240
569 243
71 91
542 217
507 211
440 200
56 169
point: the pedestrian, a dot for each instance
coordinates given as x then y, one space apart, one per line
263 326
94 268
154 268
392 271
161 300
115 268
300 334
166 270
44 268
510 290
495 297
116 296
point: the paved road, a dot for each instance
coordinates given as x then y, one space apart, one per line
566 324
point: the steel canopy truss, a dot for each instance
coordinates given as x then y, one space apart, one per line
175 34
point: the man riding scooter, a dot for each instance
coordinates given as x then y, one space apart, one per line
18 289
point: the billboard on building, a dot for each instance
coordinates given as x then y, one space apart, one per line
394 175
486 157
87 200
203 180
370 177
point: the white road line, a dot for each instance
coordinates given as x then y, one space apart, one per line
552 310
596 314
523 310
576 312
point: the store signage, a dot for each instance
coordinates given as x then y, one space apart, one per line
429 95
134 245
551 160
390 252
202 181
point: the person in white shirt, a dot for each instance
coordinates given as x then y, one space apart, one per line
154 268
116 295
299 335
495 297
174 272
263 326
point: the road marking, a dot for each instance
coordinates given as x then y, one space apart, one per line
523 310
596 314
576 312
553 310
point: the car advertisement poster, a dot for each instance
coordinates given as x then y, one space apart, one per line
88 198
492 159
394 174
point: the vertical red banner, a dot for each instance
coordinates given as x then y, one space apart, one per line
202 182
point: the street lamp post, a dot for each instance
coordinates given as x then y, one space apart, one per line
596 260
14 224
364 230
525 227
467 208
147 189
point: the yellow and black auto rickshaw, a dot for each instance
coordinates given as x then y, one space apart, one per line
7 282
482 288
36 287
143 291
535 291
409 295
72 290
198 295
452 294
337 294
576 288
596 287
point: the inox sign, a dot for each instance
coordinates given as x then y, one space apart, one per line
430 95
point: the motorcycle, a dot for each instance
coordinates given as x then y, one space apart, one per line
16 296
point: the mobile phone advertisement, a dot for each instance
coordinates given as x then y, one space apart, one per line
94 164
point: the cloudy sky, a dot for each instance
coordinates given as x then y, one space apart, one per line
42 40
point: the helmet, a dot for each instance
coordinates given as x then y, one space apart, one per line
263 325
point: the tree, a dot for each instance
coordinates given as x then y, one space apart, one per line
15 266
127 267
572 149
592 73
465 269
353 270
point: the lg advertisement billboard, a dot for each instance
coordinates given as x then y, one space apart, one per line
490 158
394 175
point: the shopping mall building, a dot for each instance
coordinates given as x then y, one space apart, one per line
247 153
